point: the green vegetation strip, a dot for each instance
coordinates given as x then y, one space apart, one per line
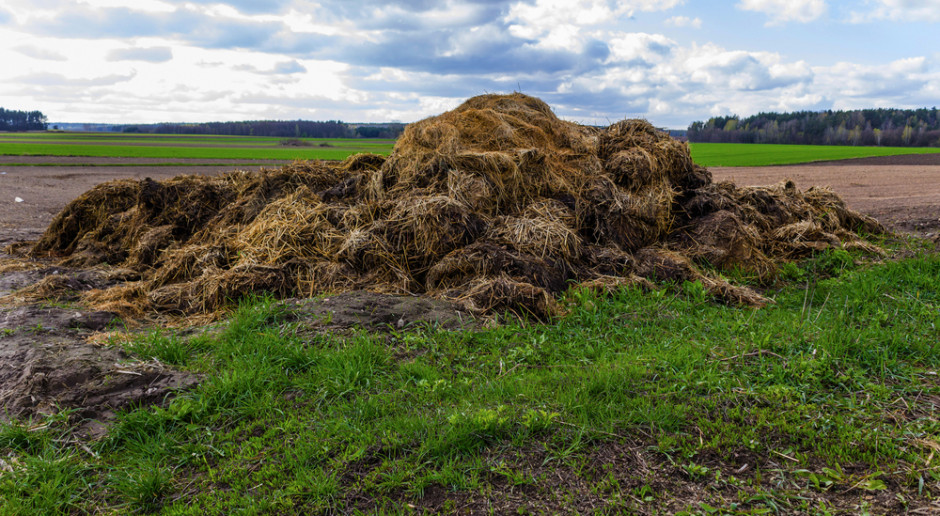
131 151
756 155
144 165
182 138
828 392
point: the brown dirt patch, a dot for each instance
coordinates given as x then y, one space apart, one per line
903 192
904 159
68 161
47 366
149 143
379 312
46 190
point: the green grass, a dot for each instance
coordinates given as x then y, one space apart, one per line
130 151
756 155
173 138
228 163
182 146
829 391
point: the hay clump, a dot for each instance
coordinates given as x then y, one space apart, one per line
497 204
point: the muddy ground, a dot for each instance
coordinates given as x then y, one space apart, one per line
47 363
47 366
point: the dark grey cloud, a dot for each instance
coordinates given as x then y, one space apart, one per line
150 55
190 26
430 85
366 13
358 10
407 18
40 53
446 52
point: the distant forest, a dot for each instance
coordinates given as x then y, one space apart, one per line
272 128
874 127
11 120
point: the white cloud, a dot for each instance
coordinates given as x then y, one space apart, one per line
638 48
140 5
900 10
782 11
375 60
684 21
40 53
901 83
562 23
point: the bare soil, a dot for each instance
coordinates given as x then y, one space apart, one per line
903 192
379 312
85 161
46 190
47 366
147 143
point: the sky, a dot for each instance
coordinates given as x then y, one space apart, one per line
671 62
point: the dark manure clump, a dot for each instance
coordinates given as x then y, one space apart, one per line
498 205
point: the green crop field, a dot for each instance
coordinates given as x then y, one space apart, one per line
756 155
172 147
130 151
210 147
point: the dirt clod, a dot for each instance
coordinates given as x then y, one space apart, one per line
380 312
46 366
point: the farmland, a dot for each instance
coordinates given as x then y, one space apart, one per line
166 147
638 399
758 155
176 148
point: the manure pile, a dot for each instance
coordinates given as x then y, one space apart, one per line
497 205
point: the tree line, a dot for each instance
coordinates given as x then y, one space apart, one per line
272 128
13 120
872 127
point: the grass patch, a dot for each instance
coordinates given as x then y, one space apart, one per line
169 152
757 155
640 402
184 147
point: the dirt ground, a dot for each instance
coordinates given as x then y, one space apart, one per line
45 190
46 365
903 192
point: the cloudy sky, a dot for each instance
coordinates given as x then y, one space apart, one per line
594 61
